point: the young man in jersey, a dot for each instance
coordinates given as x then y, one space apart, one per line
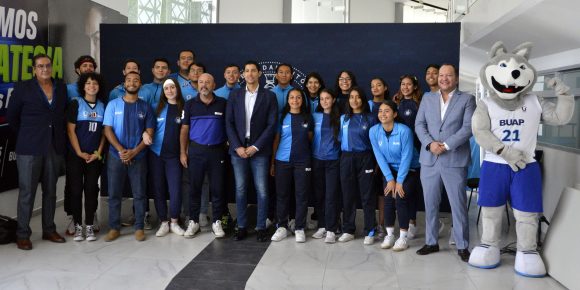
83 64
203 144
232 76
251 124
130 65
152 91
189 90
126 119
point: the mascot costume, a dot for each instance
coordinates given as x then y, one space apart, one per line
506 124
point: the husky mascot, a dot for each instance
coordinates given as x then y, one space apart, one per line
505 124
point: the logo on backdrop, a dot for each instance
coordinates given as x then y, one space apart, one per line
268 77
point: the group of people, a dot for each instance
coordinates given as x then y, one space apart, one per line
335 145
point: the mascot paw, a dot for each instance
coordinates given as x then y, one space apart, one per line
530 264
514 157
485 257
559 87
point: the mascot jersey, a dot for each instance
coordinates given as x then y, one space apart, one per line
518 128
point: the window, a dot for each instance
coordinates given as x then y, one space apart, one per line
172 11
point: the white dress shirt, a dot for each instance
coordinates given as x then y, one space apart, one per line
249 104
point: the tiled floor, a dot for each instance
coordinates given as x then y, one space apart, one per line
128 264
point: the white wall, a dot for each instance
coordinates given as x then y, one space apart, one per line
250 11
372 11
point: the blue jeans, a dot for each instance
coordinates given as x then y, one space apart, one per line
31 170
117 174
259 167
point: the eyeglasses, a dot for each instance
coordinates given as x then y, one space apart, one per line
43 66
344 79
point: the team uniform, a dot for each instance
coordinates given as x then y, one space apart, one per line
399 161
72 91
326 171
281 94
164 162
357 165
82 176
206 152
293 162
151 93
128 122
498 183
224 92
119 92
188 91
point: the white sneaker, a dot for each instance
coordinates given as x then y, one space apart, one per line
280 234
345 237
217 229
411 232
369 240
330 237
400 244
70 228
147 222
163 229
388 242
319 233
90 233
192 229
203 220
96 226
176 229
79 233
300 236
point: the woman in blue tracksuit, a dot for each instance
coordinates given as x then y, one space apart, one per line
326 165
357 165
407 99
164 157
292 161
84 163
392 144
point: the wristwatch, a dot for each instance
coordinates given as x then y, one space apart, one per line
428 147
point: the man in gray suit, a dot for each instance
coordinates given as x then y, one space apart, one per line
443 125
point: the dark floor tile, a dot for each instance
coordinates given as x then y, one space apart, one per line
211 271
191 284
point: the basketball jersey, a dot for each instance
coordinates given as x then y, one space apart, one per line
517 129
89 125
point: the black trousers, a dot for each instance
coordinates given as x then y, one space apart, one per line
356 178
83 177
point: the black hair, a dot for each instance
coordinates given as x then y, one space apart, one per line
432 65
163 99
303 107
417 93
186 50
395 109
85 58
320 81
232 65
334 113
252 62
82 80
131 60
162 59
453 66
387 92
365 102
287 65
198 64
352 79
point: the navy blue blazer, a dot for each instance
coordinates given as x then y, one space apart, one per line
37 123
262 124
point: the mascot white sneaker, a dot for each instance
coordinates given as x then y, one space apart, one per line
505 124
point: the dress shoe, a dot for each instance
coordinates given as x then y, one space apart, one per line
24 244
240 234
464 254
428 249
53 237
261 236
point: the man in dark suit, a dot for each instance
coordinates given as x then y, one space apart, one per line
251 116
443 125
36 114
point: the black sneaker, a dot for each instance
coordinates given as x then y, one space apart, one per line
240 234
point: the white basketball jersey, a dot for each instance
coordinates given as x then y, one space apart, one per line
517 129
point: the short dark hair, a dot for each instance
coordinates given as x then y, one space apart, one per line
285 64
432 65
232 65
254 63
453 66
85 58
40 55
83 78
162 59
320 81
186 50
133 72
131 60
199 64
